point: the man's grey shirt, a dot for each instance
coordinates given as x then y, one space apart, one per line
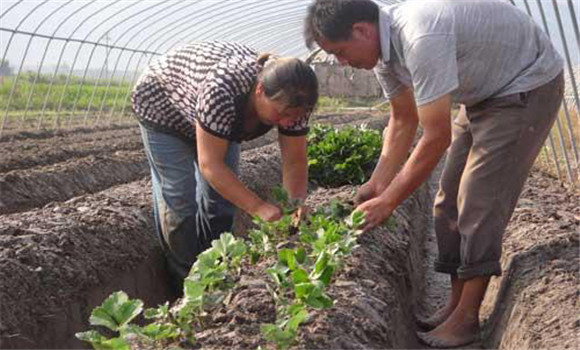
471 49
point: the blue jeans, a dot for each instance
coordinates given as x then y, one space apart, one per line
189 214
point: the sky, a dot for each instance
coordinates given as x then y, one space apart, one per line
158 25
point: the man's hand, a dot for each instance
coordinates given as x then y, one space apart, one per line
376 211
268 212
365 192
301 214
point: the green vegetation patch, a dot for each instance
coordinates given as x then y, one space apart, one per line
342 157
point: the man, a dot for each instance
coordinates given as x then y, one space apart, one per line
493 60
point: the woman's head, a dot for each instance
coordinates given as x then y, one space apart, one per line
288 88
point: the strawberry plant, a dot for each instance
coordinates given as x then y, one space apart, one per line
341 157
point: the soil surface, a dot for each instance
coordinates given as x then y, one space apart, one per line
75 214
535 304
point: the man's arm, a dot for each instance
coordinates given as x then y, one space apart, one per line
397 140
435 119
294 165
211 151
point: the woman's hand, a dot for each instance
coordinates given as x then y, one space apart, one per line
268 212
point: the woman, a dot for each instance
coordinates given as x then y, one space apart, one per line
195 105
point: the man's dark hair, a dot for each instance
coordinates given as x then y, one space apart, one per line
333 19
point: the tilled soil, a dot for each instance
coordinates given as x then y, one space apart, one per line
535 304
52 257
58 253
27 150
56 247
32 188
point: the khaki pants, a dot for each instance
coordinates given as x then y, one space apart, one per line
494 146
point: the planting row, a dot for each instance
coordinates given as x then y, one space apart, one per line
44 148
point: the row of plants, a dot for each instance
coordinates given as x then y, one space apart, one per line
36 96
305 257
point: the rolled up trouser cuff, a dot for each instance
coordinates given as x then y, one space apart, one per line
445 267
490 268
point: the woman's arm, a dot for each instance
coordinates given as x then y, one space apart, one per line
294 165
211 151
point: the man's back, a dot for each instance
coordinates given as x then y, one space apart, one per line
473 49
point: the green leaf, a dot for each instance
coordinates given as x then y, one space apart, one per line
101 343
193 290
254 257
356 219
303 290
161 331
278 277
340 157
269 330
325 275
294 309
160 312
280 195
307 236
300 276
208 259
321 262
282 338
91 337
101 317
296 320
238 249
116 311
287 258
319 301
301 255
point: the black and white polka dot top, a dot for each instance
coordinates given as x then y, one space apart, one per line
207 83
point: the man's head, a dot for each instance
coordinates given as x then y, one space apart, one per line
347 29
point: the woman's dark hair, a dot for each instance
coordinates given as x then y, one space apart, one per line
289 81
333 19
